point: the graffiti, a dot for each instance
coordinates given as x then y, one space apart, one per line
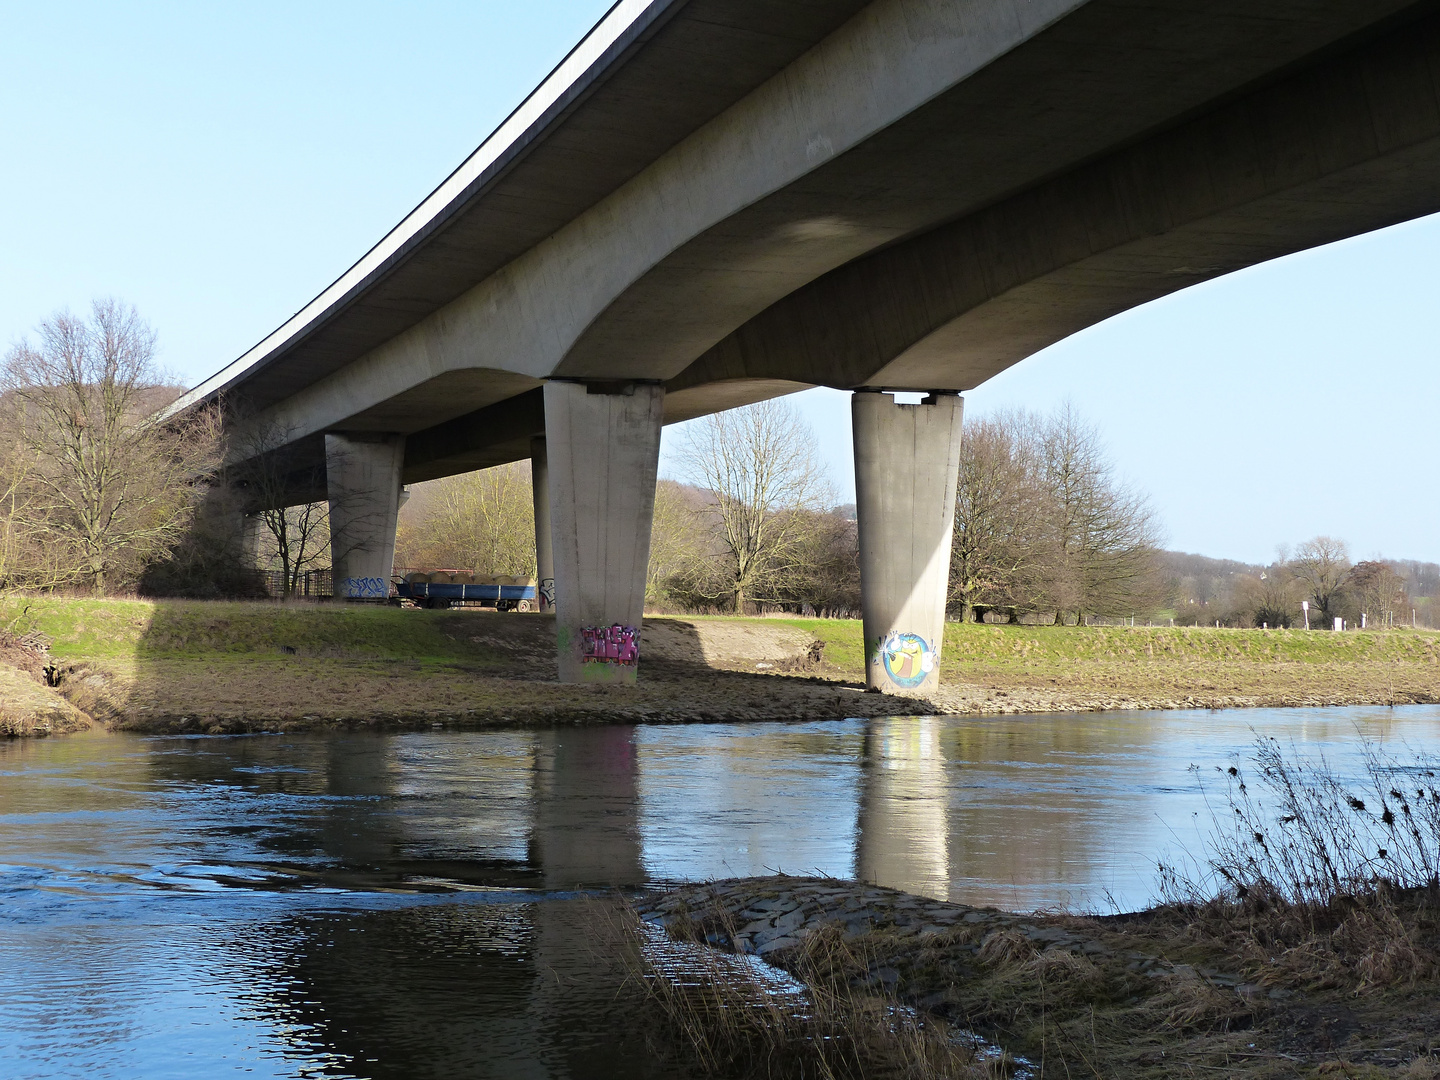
366 588
547 593
907 658
610 645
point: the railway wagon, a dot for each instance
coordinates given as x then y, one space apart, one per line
453 588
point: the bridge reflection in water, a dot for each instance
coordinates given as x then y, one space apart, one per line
365 905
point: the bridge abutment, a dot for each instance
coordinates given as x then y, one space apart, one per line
907 462
602 446
362 477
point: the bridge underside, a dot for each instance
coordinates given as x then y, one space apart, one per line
899 195
1344 145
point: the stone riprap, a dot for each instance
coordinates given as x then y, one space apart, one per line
766 915
1149 995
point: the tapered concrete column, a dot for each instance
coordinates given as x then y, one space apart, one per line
544 547
252 531
603 449
907 461
362 475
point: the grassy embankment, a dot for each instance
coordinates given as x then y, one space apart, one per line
241 666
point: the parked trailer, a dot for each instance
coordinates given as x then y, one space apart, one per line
445 588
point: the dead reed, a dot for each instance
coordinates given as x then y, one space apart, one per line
739 1016
1317 880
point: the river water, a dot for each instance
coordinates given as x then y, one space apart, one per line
413 905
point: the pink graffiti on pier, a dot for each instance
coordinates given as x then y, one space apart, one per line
611 644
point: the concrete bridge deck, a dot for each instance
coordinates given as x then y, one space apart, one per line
712 202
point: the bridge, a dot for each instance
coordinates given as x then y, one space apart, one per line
714 202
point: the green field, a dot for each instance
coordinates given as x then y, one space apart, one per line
129 662
86 629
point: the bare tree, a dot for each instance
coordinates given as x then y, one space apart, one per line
678 551
1270 598
1003 548
296 540
824 574
107 485
1321 566
760 465
482 521
1378 590
1106 536
23 553
294 537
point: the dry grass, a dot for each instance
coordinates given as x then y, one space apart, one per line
1311 947
738 1017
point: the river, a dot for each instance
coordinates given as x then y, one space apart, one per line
413 905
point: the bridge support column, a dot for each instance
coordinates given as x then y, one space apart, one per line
544 545
603 450
907 462
252 531
362 476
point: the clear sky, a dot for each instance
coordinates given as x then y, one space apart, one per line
219 165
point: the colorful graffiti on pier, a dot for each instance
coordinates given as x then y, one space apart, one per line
610 645
366 588
907 658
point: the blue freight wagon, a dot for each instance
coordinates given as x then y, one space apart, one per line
446 588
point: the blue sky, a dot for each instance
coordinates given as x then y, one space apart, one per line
219 165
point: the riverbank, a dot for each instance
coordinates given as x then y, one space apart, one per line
1161 993
171 666
28 706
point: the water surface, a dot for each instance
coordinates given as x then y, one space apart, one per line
407 905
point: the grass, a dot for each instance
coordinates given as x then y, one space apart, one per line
85 629
736 1018
158 664
108 628
1039 646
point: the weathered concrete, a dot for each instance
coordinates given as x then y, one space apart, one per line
363 478
736 199
252 536
544 543
803 205
603 448
1292 164
907 461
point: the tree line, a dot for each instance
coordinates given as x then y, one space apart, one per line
95 492
1317 572
1043 527
96 495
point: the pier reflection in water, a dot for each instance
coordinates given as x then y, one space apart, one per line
365 905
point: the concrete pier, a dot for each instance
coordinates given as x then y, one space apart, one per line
544 545
907 462
603 449
253 536
362 476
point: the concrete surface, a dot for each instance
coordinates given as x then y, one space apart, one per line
544 545
906 194
364 486
907 461
603 446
